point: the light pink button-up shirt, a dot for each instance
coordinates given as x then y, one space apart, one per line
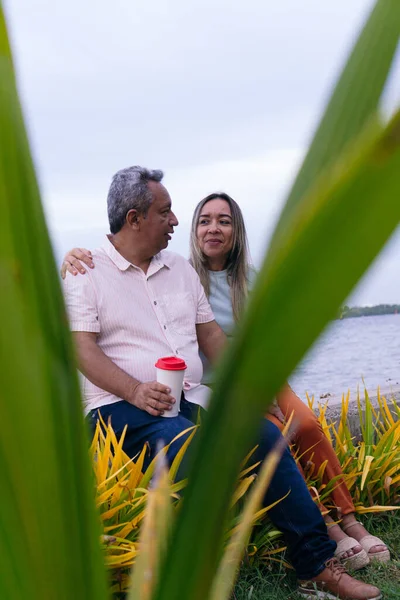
140 317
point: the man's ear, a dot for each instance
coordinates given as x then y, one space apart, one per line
133 218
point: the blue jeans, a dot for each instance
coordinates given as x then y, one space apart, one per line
297 516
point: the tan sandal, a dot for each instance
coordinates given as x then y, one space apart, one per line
368 542
355 562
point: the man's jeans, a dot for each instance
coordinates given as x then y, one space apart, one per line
297 516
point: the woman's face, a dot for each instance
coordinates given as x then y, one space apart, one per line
214 229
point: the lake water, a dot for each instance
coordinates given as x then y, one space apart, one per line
349 351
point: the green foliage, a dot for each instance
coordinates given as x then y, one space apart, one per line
124 502
123 493
49 533
370 464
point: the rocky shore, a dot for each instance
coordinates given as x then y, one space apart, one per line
334 408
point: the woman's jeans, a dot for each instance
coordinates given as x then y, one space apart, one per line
297 516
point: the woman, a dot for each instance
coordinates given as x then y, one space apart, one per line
219 254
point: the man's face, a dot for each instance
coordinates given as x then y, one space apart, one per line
160 221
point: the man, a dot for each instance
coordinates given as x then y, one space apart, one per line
141 303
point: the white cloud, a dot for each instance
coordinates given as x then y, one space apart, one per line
221 94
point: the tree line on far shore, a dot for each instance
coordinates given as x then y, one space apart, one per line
348 312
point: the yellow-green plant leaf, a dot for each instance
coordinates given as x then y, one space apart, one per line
173 471
154 534
365 473
225 577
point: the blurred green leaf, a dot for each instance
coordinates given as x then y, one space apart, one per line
329 237
49 537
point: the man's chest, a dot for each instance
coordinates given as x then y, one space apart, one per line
144 306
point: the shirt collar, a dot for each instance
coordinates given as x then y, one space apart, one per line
117 258
162 259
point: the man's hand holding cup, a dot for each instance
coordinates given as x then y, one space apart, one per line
153 397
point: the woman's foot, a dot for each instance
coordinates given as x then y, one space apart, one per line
336 534
375 548
350 553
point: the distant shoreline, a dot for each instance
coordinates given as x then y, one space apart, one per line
352 312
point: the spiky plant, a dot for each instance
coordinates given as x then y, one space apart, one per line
370 464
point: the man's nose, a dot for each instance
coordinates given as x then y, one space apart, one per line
173 220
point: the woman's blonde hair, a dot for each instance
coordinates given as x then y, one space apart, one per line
237 263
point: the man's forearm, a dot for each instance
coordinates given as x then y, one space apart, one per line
101 370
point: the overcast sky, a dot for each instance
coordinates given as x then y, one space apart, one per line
220 94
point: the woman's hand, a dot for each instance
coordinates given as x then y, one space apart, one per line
73 261
276 412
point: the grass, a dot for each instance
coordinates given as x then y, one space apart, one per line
258 582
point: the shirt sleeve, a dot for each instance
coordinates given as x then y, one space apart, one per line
81 302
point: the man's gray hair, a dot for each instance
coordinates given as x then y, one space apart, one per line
129 190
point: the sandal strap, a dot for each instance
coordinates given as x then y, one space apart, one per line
346 544
369 541
346 527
